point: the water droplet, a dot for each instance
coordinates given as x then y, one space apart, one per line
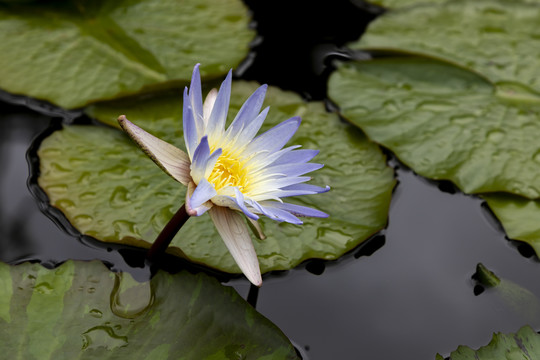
130 298
436 106
44 288
125 228
536 156
514 91
462 119
58 189
103 336
82 219
391 106
95 313
84 178
65 204
495 135
119 197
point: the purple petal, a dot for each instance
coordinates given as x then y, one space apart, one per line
294 209
202 159
280 215
190 129
248 132
248 112
235 202
201 194
195 94
292 169
297 156
275 138
216 122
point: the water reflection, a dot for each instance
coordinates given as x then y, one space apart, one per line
415 293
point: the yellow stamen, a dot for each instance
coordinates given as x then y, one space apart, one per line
229 171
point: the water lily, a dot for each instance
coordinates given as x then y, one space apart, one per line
229 172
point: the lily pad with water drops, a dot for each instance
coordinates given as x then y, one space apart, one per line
446 122
109 189
525 344
75 52
499 39
84 311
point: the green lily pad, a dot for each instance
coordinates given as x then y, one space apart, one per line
403 3
83 311
518 216
446 122
525 344
497 38
75 52
109 189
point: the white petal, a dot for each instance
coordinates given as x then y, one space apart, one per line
235 233
209 103
168 157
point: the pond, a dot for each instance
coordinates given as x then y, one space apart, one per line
406 292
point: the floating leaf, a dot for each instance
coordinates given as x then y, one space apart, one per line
519 217
109 189
517 298
446 122
525 344
79 51
84 311
497 38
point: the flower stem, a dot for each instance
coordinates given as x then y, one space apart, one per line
166 235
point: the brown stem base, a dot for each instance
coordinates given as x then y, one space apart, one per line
166 235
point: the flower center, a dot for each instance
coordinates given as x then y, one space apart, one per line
228 171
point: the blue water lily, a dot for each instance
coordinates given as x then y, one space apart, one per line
233 171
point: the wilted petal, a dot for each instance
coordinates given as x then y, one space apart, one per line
171 159
234 232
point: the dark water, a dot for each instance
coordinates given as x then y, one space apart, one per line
407 294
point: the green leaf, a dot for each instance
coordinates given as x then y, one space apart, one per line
446 122
518 216
525 345
109 189
81 310
75 52
497 38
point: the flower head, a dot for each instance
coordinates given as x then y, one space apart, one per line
232 171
